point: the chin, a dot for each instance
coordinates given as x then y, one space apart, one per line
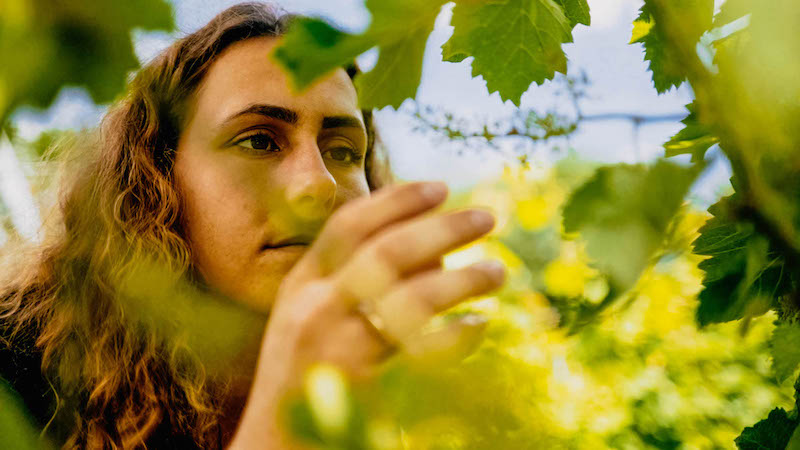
255 284
260 291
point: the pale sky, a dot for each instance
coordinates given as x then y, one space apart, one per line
619 79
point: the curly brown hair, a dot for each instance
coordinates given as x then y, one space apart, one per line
120 373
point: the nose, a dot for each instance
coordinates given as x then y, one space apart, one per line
311 189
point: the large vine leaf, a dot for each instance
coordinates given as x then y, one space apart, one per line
666 65
514 42
743 276
694 139
773 432
785 350
45 45
399 28
623 213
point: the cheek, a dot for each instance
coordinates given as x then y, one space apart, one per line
217 206
350 186
220 217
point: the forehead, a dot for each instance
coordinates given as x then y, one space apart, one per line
244 74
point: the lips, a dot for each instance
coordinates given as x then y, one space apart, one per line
292 242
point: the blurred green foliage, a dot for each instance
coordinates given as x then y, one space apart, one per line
47 44
640 375
16 428
623 212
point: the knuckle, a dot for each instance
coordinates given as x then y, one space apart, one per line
421 294
345 218
426 294
383 252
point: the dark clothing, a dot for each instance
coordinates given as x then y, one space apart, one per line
20 367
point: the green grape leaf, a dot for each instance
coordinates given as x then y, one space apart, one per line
623 213
577 11
399 29
785 350
694 139
773 432
47 45
666 66
743 276
514 42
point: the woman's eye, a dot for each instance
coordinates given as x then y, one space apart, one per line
344 155
261 142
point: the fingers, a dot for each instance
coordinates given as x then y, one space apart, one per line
356 221
407 247
411 305
451 342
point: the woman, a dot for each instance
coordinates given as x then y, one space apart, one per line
213 170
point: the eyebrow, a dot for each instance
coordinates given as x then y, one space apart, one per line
341 122
273 112
291 117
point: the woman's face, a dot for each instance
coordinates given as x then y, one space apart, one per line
260 168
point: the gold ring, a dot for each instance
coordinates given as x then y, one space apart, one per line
367 311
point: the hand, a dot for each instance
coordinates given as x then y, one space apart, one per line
383 250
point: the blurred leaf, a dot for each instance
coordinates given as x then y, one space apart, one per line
45 45
16 426
514 42
535 248
399 29
398 72
733 10
623 213
785 350
771 433
332 49
577 11
794 442
743 277
665 64
694 139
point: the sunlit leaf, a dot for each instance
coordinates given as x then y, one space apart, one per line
771 433
785 350
694 139
665 64
514 42
743 277
623 213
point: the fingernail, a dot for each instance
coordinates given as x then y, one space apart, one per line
473 320
494 269
434 191
482 220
